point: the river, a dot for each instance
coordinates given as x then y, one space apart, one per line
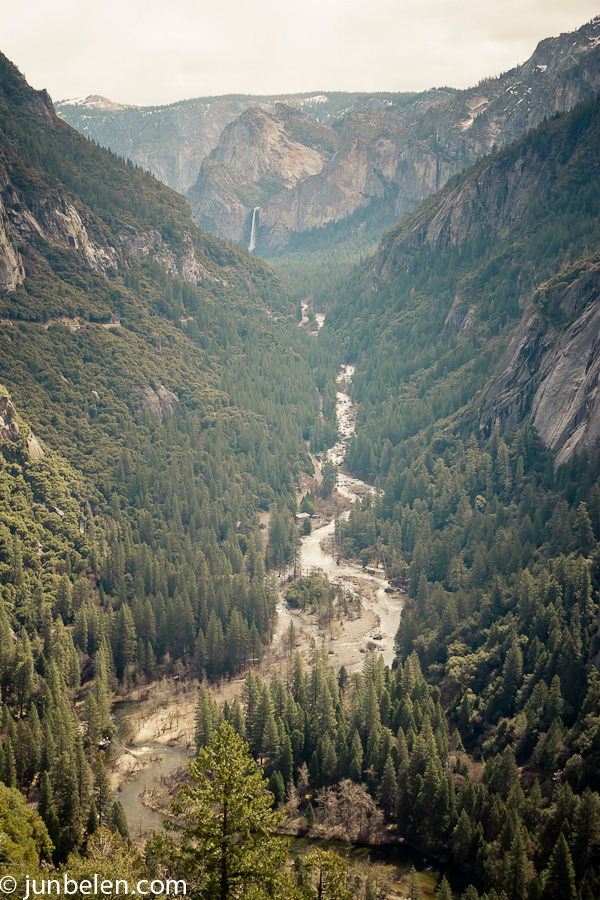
153 761
381 603
376 627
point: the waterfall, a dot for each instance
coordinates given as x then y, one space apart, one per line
252 244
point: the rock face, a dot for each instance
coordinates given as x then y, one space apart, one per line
49 221
12 272
34 447
459 319
9 427
259 156
183 265
391 150
36 217
549 375
397 155
490 200
159 401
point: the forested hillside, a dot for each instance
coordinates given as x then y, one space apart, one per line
429 316
170 396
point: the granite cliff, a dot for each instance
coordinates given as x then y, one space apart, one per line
233 154
550 372
486 298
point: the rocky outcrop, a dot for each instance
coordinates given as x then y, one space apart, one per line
35 220
183 265
58 222
10 430
9 427
12 272
459 319
216 204
158 401
34 447
549 374
260 156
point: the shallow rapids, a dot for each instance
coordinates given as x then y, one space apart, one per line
318 547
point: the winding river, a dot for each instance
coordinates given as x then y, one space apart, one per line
381 604
381 607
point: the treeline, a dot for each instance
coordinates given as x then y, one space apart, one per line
374 749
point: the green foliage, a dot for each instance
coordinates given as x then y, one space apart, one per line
25 837
225 821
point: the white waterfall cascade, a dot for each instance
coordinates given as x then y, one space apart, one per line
252 244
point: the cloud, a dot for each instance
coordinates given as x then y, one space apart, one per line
150 52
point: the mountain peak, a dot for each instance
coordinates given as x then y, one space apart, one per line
15 91
94 101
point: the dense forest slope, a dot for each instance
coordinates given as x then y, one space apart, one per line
157 398
389 150
439 300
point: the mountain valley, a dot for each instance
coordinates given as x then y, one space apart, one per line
331 526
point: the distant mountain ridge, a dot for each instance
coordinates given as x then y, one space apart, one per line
394 149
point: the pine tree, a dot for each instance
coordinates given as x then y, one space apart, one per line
23 677
328 760
92 819
118 820
443 892
102 794
325 872
559 881
47 809
586 831
356 758
414 885
517 871
583 531
226 821
389 790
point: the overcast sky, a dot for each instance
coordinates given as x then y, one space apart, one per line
154 52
